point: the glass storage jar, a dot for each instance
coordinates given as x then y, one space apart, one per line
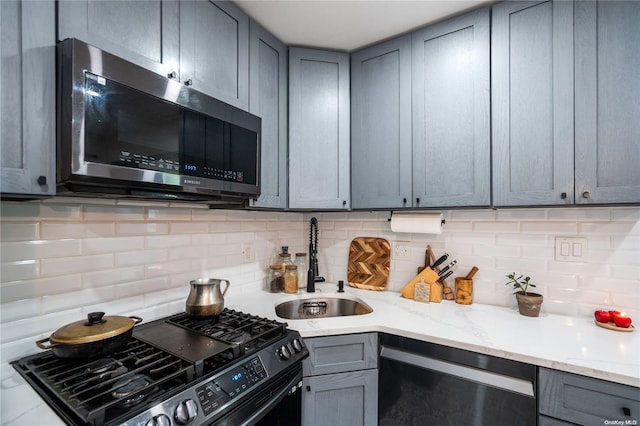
276 278
291 279
303 268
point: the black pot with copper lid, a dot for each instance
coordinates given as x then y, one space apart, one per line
97 336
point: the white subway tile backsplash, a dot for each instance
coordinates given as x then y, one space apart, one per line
138 258
56 230
69 265
111 244
12 291
11 231
20 270
38 249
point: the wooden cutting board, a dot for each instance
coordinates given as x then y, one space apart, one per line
369 260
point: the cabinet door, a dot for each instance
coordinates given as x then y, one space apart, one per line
532 103
607 67
214 50
319 134
268 100
143 32
451 133
27 97
381 125
348 399
586 401
337 354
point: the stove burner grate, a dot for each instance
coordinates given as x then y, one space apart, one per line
248 332
102 391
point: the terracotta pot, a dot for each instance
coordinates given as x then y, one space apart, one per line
529 304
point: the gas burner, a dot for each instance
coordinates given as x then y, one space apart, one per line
133 390
95 372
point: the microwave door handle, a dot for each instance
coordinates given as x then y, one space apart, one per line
496 380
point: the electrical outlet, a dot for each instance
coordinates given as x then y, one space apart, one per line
401 250
248 253
571 249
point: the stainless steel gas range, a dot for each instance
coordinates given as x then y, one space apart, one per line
235 369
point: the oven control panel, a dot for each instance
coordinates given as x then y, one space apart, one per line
219 391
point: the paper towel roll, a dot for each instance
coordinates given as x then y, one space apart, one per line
420 223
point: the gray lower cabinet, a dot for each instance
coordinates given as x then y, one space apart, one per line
607 77
214 50
585 401
340 383
559 66
268 100
143 32
451 112
319 130
27 98
381 125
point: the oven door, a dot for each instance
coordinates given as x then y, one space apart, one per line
279 403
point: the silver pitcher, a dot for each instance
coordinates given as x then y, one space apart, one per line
205 299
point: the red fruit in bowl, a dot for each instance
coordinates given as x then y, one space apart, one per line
622 320
612 313
602 316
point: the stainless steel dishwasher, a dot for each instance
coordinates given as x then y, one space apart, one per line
424 383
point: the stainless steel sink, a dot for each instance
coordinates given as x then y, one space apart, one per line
322 307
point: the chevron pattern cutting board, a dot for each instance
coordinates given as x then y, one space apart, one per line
369 260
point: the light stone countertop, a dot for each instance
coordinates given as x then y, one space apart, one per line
572 344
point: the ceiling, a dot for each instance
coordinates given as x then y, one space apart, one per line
348 25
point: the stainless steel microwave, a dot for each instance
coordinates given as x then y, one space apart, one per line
124 131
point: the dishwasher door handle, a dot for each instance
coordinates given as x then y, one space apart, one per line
497 380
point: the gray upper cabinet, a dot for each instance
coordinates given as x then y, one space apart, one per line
318 129
451 112
27 97
268 100
214 50
143 32
607 120
381 125
532 100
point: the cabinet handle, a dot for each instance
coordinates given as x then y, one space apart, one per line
308 388
344 202
188 82
626 411
172 75
404 201
564 195
417 200
42 180
586 194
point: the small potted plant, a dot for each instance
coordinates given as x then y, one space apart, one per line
528 303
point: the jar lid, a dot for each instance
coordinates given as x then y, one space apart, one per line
285 254
300 254
275 267
291 267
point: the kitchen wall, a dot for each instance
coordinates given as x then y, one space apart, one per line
504 241
63 258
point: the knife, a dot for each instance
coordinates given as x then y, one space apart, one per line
446 268
445 276
440 261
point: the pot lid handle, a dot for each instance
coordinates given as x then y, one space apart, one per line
94 318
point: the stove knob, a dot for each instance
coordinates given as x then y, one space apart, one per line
297 345
161 420
186 411
284 352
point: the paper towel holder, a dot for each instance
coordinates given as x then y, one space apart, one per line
391 214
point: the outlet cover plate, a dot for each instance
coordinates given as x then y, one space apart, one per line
571 249
401 250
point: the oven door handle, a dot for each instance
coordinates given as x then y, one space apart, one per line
292 386
496 380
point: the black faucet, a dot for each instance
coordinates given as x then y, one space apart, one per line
312 274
